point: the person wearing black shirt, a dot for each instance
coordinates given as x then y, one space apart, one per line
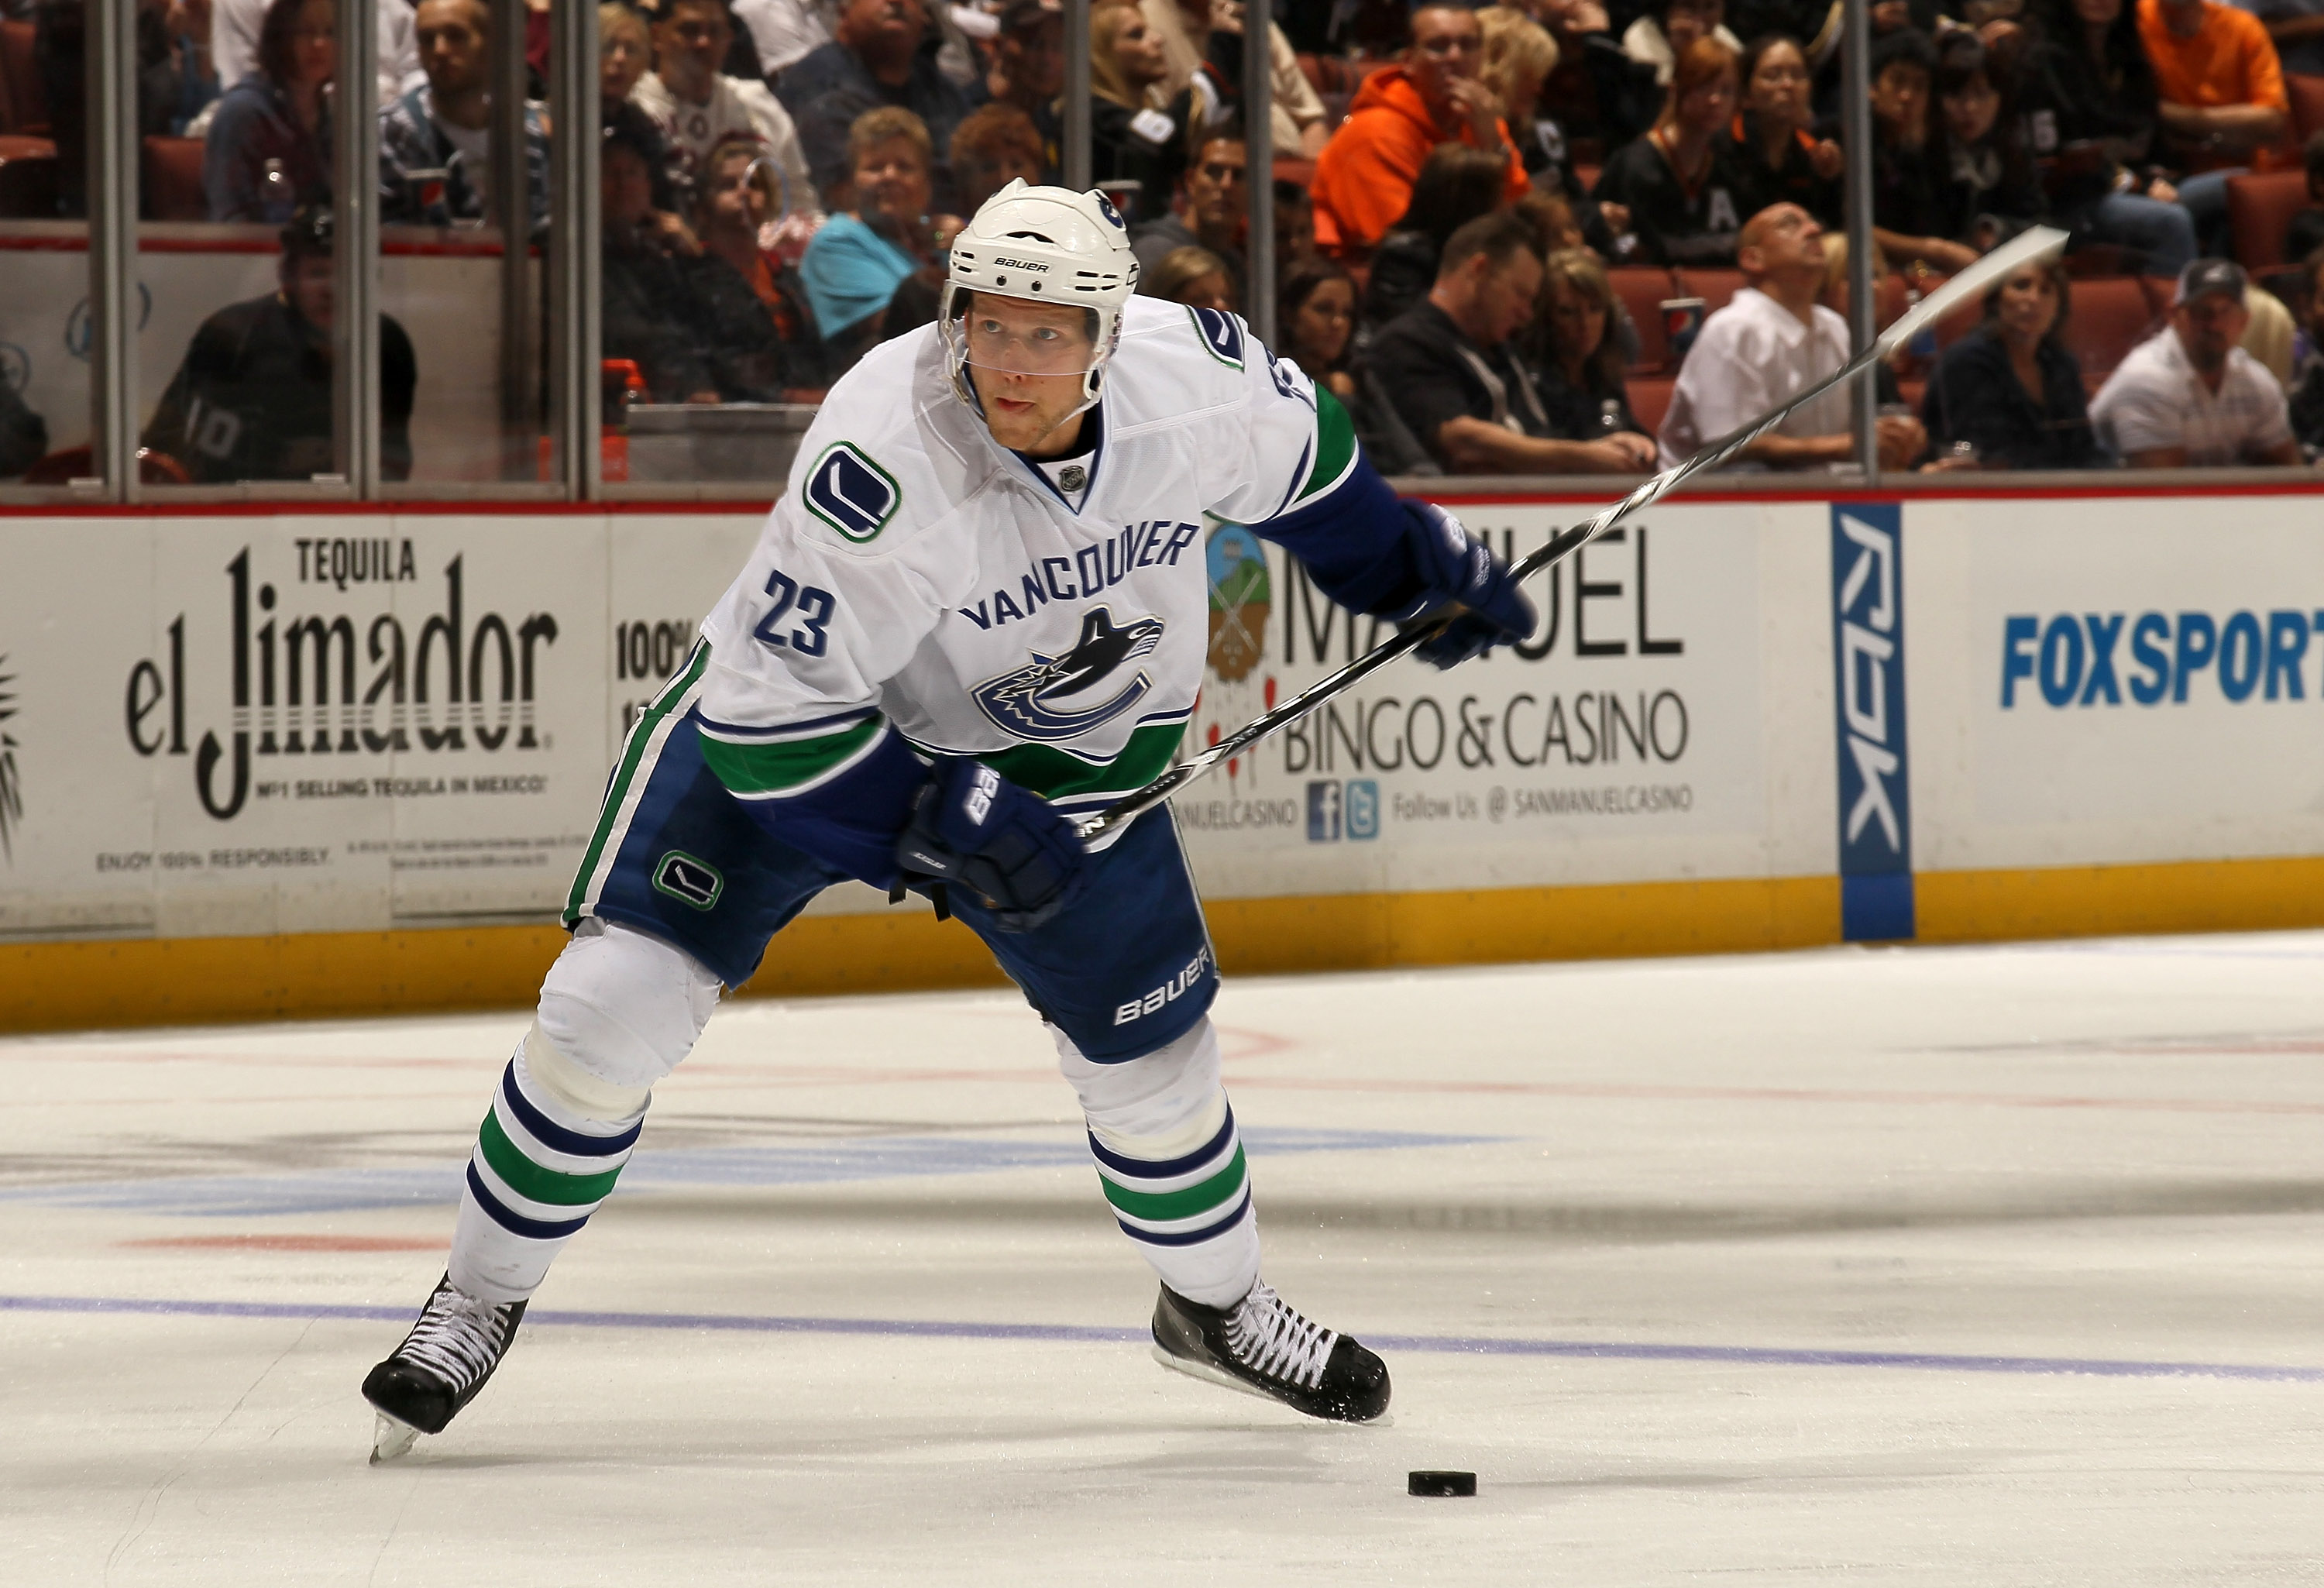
253 399
1456 185
1575 352
1678 188
1450 372
1911 212
1987 184
2009 388
2091 111
1770 147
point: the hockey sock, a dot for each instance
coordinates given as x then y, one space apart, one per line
1170 1161
547 1155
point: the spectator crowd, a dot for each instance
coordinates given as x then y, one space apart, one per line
1548 237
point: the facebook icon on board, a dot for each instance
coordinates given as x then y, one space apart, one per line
1875 812
1337 809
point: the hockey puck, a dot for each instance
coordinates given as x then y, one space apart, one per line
1441 1485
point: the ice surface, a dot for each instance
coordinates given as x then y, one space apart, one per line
1960 1267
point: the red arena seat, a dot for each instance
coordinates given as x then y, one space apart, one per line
1714 287
172 173
1642 289
2259 207
1650 399
26 107
2109 316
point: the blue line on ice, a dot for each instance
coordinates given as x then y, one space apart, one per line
1442 1345
863 1158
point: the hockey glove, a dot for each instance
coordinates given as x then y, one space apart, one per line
974 828
1454 566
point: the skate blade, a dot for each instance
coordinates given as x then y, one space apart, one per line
392 1439
1226 1380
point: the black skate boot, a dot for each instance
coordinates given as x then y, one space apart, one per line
1261 1346
441 1365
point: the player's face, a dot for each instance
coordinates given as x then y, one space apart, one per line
451 39
1027 360
309 284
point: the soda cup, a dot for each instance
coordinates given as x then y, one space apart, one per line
1681 323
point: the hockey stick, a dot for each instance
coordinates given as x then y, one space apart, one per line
1997 266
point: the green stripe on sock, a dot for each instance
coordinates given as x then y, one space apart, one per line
528 1179
642 734
770 768
1213 1193
1335 446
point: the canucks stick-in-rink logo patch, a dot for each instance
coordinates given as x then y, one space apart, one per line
1222 333
852 493
687 880
1041 702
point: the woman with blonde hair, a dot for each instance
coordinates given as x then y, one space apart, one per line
1520 54
1676 181
1131 141
1191 275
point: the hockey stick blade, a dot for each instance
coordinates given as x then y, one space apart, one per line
2036 243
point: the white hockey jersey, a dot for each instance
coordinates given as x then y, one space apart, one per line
918 577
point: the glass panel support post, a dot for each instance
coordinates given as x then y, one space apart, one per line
354 250
111 167
576 223
1863 305
511 188
1259 152
1077 153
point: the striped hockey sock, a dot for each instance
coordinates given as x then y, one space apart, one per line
1171 1163
539 1169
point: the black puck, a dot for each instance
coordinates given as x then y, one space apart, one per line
1441 1485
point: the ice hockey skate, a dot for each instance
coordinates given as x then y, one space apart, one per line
441 1365
1263 1346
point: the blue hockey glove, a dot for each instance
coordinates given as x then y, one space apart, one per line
1454 566
973 827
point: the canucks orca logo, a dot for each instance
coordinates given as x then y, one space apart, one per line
1106 208
1037 702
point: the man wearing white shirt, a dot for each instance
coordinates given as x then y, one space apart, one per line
2190 397
785 31
695 105
234 45
1773 341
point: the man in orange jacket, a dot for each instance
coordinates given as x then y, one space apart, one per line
1364 177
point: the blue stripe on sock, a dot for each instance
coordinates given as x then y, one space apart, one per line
1139 1169
555 1137
1189 1238
514 1222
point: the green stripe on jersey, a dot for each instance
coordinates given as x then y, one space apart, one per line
1335 447
771 769
528 1179
1201 1199
1055 775
617 792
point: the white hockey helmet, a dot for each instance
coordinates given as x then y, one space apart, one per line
1044 246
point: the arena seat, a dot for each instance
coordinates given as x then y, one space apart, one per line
26 103
2109 317
1650 399
1716 287
2259 207
28 179
172 170
2306 90
1641 289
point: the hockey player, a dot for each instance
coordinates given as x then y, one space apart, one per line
979 611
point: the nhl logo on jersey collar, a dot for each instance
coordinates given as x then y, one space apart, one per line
1072 477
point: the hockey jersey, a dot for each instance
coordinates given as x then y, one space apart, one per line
917 579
